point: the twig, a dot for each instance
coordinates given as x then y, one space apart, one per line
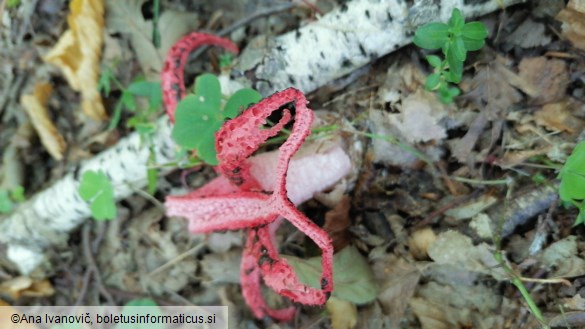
85 234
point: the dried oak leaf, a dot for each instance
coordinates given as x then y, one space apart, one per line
573 18
549 77
35 105
78 51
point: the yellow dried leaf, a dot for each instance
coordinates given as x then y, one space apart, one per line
343 313
23 286
78 51
35 106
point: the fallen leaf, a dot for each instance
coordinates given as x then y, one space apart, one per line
343 313
222 267
563 256
576 303
337 223
126 17
353 277
78 51
398 280
529 34
456 249
573 18
419 118
23 286
472 208
492 90
419 242
558 117
550 77
35 106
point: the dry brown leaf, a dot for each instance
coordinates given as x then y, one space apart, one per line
337 223
398 280
454 248
529 34
126 17
549 77
557 116
78 51
576 303
35 106
419 242
419 118
564 257
23 286
573 18
343 313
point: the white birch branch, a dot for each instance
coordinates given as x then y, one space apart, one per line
340 42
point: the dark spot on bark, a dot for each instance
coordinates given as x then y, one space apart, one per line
322 55
346 63
367 13
474 2
76 172
389 16
362 50
279 48
343 8
79 212
373 55
395 46
409 33
298 34
291 79
311 77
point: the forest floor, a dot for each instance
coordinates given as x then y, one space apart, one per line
422 217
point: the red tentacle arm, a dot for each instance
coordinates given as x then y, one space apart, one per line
172 74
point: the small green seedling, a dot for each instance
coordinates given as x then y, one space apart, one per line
8 198
455 39
143 120
11 4
96 188
572 176
198 117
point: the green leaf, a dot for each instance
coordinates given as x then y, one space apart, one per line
116 116
457 49
104 83
17 194
572 175
431 36
96 188
433 81
6 204
241 99
195 119
454 92
434 61
473 45
225 60
149 89
207 87
128 100
151 173
206 149
352 275
456 21
474 31
455 69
